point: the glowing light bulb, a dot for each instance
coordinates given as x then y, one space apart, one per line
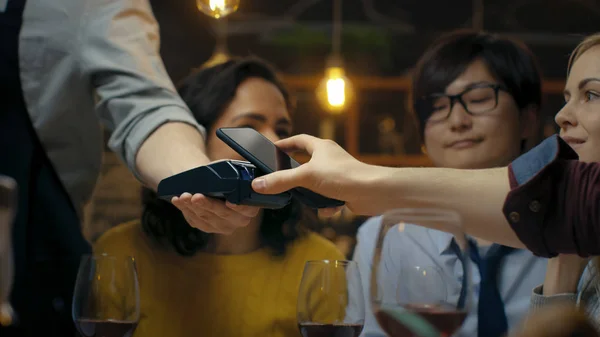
335 90
217 8
217 5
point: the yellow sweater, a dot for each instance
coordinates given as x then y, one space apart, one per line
215 295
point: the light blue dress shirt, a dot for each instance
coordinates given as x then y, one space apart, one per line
521 271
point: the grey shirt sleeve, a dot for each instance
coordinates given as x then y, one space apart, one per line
538 300
119 49
586 296
588 299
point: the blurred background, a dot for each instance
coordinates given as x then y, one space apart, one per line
378 41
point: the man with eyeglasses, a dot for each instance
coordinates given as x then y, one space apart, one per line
476 97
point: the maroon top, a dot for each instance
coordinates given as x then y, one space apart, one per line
552 202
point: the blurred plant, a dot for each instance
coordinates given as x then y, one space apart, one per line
356 40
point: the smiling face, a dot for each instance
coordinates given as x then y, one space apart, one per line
483 140
258 104
579 119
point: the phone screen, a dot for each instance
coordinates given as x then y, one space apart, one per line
261 148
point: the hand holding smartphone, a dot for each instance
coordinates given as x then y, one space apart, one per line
261 152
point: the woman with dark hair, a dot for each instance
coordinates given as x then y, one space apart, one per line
244 283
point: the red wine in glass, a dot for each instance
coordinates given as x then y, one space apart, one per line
330 300
330 330
414 297
445 321
105 328
106 301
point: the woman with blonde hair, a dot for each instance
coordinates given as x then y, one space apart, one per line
579 122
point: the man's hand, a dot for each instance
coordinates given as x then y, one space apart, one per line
214 216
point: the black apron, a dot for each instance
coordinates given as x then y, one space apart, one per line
47 238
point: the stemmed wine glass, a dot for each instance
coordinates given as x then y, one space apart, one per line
413 297
330 300
8 205
106 302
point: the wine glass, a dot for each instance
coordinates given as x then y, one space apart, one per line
106 302
8 202
330 300
411 294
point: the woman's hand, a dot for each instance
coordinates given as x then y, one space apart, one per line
563 274
331 171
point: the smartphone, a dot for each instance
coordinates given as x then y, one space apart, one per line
260 151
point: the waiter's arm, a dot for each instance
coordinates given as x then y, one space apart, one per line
174 147
152 129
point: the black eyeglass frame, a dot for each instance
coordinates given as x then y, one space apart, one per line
424 106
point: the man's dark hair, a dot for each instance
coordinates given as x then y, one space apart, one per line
207 92
510 61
